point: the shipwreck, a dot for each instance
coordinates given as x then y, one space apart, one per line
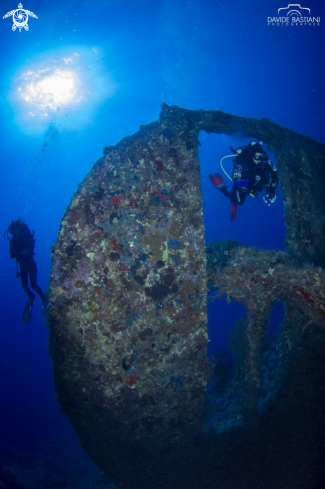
128 299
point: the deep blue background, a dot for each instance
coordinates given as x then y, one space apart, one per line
133 55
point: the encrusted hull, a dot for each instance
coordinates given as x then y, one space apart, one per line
128 315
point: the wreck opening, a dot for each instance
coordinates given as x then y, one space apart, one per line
276 318
222 316
231 324
256 224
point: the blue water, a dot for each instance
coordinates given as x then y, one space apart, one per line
121 59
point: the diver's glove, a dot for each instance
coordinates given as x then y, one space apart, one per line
269 198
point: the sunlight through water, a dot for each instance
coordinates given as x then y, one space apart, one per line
63 87
49 91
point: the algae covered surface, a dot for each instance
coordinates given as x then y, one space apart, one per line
128 298
128 316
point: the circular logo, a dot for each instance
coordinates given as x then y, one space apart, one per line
20 18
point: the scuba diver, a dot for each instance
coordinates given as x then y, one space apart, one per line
21 247
252 172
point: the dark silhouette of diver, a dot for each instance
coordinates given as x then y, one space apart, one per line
21 247
252 172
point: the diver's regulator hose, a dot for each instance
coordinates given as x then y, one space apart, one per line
224 171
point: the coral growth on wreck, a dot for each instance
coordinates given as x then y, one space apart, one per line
127 301
128 317
259 278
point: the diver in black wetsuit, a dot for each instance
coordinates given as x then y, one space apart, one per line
252 172
21 247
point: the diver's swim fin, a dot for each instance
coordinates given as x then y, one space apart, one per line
217 180
27 312
233 211
45 307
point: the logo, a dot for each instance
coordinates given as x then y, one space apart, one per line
293 15
20 18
